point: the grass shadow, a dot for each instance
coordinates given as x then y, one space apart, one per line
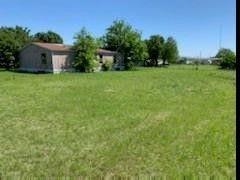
27 72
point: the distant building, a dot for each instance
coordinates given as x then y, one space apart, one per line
192 60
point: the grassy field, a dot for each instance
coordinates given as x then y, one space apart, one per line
153 121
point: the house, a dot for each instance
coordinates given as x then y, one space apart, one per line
49 57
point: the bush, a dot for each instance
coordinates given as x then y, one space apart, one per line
129 65
228 63
96 66
107 65
12 40
85 51
228 59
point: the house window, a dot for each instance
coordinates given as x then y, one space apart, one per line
101 58
44 58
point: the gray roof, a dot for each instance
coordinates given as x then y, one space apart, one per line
68 48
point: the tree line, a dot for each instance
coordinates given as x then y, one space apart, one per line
127 41
120 37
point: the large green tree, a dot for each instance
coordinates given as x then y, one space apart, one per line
170 51
121 37
47 37
12 39
85 47
155 46
228 58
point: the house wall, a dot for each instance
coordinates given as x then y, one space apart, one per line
106 58
30 59
62 61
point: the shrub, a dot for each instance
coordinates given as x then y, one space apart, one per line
228 59
228 63
96 66
107 65
12 40
85 48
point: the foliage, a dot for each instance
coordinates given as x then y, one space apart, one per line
228 58
12 39
121 37
95 66
155 46
107 65
100 42
158 48
47 37
170 51
178 122
85 47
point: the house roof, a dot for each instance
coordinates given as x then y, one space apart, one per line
105 52
68 48
53 46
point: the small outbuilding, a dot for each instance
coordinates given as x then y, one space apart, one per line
49 57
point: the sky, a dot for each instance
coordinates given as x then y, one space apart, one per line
195 24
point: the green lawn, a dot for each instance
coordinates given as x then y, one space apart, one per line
153 121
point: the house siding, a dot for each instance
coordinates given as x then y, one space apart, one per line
62 61
30 59
105 58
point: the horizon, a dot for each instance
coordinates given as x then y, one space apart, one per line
195 25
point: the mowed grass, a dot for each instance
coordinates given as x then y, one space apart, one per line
153 121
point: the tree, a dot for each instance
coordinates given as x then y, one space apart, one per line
12 39
100 42
170 51
228 58
155 46
85 47
47 37
121 37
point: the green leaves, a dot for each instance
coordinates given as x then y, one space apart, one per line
12 39
85 51
158 48
48 37
228 58
121 37
155 46
170 50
